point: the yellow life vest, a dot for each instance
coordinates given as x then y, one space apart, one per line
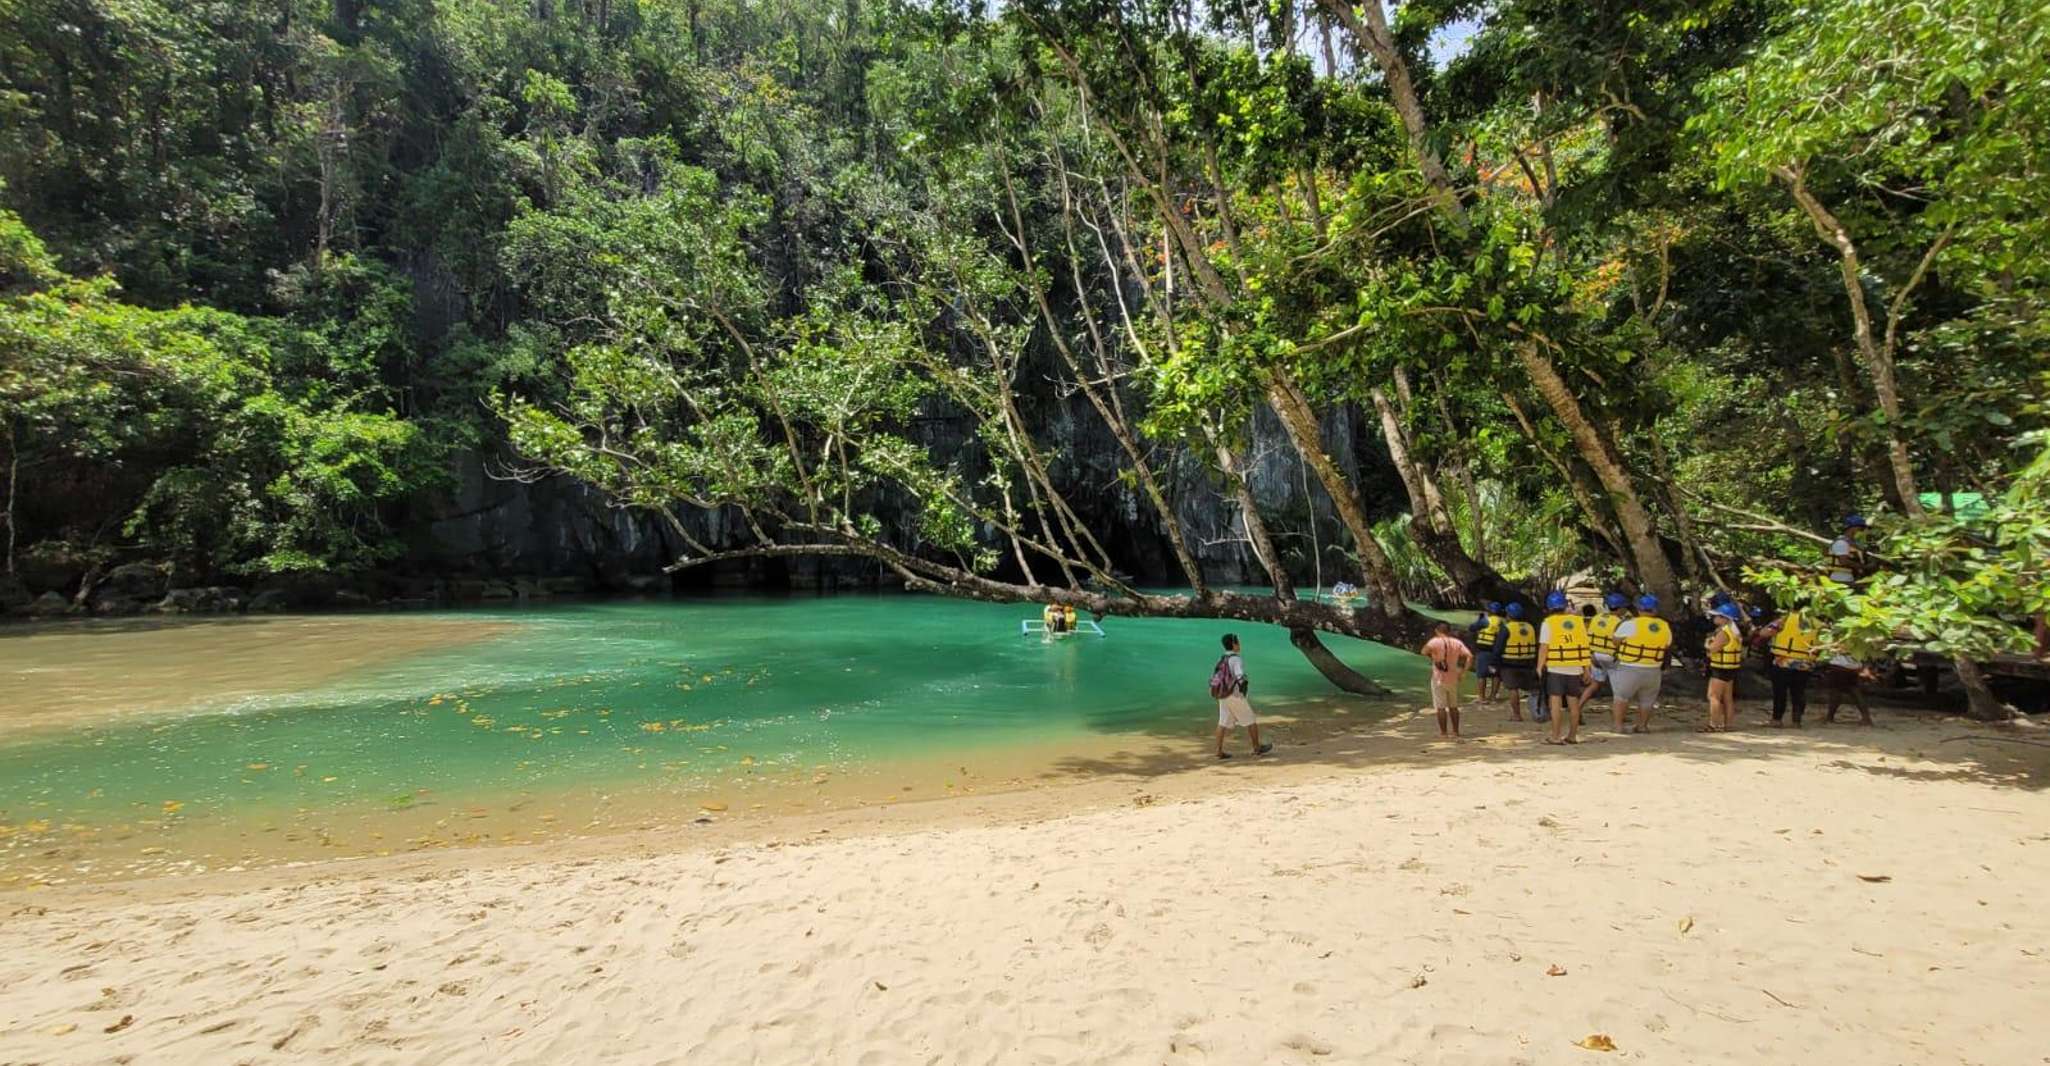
1569 646
1068 615
1051 615
1486 637
1794 642
1647 646
1601 632
1519 648
1731 655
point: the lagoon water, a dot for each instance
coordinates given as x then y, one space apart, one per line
138 748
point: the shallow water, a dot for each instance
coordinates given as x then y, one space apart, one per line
369 733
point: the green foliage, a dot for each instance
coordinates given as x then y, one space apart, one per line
1964 587
229 467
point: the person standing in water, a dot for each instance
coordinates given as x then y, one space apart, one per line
1229 685
1449 660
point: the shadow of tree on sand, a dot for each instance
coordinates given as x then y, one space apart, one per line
1905 745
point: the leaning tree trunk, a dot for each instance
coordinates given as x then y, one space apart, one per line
1640 535
1303 431
1344 677
1430 524
1305 639
1984 706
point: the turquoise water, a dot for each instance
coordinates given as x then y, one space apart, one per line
673 696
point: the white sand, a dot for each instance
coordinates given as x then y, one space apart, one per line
1701 894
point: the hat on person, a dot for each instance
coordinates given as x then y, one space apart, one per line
1494 607
1556 601
1730 611
1855 521
1616 601
1647 602
1515 610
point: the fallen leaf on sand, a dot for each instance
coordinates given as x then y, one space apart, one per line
126 1021
1548 822
881 987
60 1030
712 805
1596 1042
1877 879
1686 924
1419 981
1555 970
172 806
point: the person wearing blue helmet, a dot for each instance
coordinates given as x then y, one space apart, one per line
1515 654
1566 659
1601 632
1486 631
1846 555
1644 647
1725 648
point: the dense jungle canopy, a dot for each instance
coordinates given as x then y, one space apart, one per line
1049 301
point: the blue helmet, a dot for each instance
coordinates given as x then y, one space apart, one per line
1556 601
1647 603
1616 601
1719 598
1730 611
1515 610
1494 607
1757 613
1854 521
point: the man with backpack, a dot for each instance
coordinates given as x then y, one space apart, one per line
1228 687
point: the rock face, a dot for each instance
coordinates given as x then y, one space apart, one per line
555 529
51 566
128 589
51 605
270 601
211 599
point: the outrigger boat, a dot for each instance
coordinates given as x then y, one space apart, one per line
1029 626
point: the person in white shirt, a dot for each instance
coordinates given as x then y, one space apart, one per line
1233 709
1845 556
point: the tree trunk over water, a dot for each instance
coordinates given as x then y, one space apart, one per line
1328 664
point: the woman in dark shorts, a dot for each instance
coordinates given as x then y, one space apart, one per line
1725 649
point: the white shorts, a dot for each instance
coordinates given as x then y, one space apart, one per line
1444 694
1234 710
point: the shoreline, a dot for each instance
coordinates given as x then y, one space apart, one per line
1119 770
750 802
1840 893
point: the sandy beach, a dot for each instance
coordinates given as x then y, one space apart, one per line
1833 895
